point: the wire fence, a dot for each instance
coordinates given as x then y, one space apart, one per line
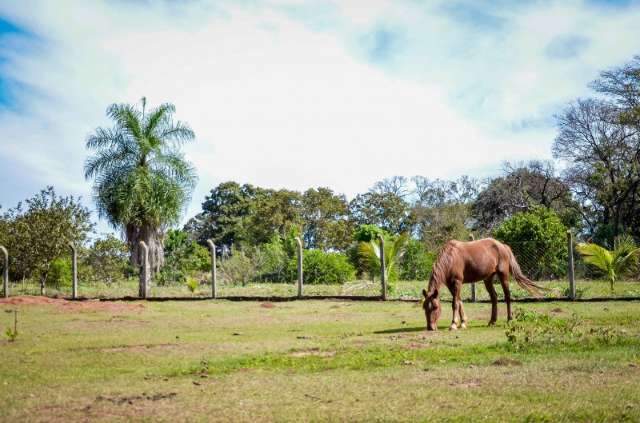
548 266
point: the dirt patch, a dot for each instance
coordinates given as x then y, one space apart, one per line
312 352
506 361
73 306
557 310
120 400
267 305
473 383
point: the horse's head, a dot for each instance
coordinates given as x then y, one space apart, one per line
432 309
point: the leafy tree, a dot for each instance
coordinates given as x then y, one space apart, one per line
141 180
40 232
272 260
437 225
366 233
387 210
538 240
183 256
325 220
276 212
107 259
612 263
599 139
441 209
523 187
431 193
225 212
416 261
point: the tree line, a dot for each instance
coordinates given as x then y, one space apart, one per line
142 183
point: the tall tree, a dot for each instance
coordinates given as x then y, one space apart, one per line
522 188
224 214
325 218
602 173
141 180
276 212
388 210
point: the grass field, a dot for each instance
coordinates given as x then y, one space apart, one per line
404 289
316 360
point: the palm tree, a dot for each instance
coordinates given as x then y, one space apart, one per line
613 263
141 180
394 248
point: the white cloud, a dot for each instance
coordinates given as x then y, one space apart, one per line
276 103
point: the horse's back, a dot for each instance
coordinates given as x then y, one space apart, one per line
482 258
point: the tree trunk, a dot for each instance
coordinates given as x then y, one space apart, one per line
153 238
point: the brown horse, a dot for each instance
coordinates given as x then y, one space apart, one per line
466 262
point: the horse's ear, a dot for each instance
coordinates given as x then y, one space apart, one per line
424 293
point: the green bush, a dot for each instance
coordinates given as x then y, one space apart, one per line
60 272
107 260
238 269
183 257
323 268
272 261
416 262
538 240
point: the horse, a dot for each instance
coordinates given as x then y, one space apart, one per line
466 262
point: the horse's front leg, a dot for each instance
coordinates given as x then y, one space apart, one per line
456 304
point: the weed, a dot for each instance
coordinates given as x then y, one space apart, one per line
192 284
12 334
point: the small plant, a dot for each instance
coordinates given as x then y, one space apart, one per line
12 334
612 263
530 328
192 284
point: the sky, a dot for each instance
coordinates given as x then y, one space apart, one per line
300 94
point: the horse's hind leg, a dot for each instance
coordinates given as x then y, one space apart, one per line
488 283
463 317
504 281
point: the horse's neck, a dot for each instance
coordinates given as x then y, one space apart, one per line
434 286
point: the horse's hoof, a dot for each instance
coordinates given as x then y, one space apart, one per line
491 324
463 325
453 326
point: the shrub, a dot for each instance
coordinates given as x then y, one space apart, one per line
107 260
60 272
183 256
416 262
239 268
322 267
272 261
538 240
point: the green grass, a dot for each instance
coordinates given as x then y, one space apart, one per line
403 289
316 360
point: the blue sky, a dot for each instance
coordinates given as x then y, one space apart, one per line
298 94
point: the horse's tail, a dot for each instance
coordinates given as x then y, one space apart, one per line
522 280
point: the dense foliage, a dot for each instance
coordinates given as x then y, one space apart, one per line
39 231
538 240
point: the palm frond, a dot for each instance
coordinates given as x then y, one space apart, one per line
596 255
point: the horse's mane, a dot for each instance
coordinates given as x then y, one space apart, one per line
441 266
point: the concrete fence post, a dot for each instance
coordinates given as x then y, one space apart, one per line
473 284
214 275
144 270
300 268
5 272
571 271
74 271
383 269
